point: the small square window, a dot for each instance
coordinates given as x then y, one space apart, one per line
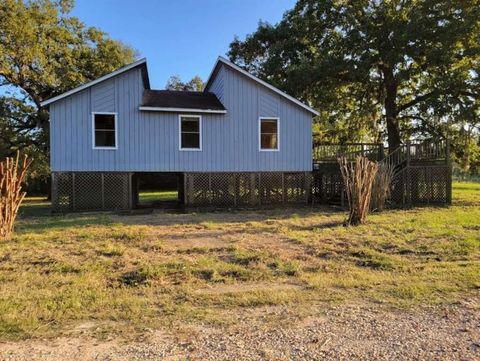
268 134
104 130
190 132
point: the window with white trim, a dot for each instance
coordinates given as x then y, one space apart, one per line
190 132
104 130
269 134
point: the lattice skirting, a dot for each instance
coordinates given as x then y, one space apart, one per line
87 191
412 186
422 185
247 189
327 186
83 191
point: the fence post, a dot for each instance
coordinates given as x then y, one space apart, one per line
73 191
103 189
210 190
449 172
449 184
52 191
409 176
252 188
308 186
283 188
234 175
447 151
259 188
130 191
381 153
186 189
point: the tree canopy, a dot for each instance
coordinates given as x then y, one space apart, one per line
44 52
176 83
374 69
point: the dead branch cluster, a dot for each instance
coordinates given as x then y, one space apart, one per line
12 174
358 178
382 186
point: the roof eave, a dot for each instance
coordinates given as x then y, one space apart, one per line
178 110
140 62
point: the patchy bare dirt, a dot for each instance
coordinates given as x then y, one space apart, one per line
360 332
248 287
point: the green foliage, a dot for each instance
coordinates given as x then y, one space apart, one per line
176 83
374 68
45 52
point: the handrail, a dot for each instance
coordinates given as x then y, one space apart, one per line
397 157
426 150
330 152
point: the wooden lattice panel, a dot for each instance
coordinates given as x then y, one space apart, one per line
271 188
327 185
85 191
116 190
398 195
296 187
429 184
222 189
198 185
246 189
62 192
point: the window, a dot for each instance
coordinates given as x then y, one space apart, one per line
104 130
190 132
269 131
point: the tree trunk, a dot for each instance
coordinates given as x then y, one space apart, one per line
391 113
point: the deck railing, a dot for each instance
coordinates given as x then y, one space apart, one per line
328 152
426 150
422 171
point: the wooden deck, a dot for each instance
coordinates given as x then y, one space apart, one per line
423 172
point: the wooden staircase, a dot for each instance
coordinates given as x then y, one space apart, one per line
417 167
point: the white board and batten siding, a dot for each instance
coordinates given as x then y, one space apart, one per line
149 141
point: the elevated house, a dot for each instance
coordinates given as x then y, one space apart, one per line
234 143
239 142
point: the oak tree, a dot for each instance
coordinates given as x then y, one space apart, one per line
373 67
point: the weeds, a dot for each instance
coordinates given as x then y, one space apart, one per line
128 273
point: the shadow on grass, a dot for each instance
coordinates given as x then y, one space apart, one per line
325 225
37 216
30 209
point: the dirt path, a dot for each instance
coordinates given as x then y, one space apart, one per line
339 333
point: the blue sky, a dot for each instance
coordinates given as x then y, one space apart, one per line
179 36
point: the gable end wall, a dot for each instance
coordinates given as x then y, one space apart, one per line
149 141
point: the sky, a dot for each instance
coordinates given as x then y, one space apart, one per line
182 37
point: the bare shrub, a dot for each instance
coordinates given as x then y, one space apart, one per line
358 177
382 186
12 174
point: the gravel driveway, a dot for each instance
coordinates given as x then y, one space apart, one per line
362 332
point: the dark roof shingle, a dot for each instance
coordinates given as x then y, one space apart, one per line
181 99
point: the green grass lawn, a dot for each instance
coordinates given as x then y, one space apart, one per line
162 196
126 273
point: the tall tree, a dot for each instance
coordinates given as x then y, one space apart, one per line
373 65
45 52
176 83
